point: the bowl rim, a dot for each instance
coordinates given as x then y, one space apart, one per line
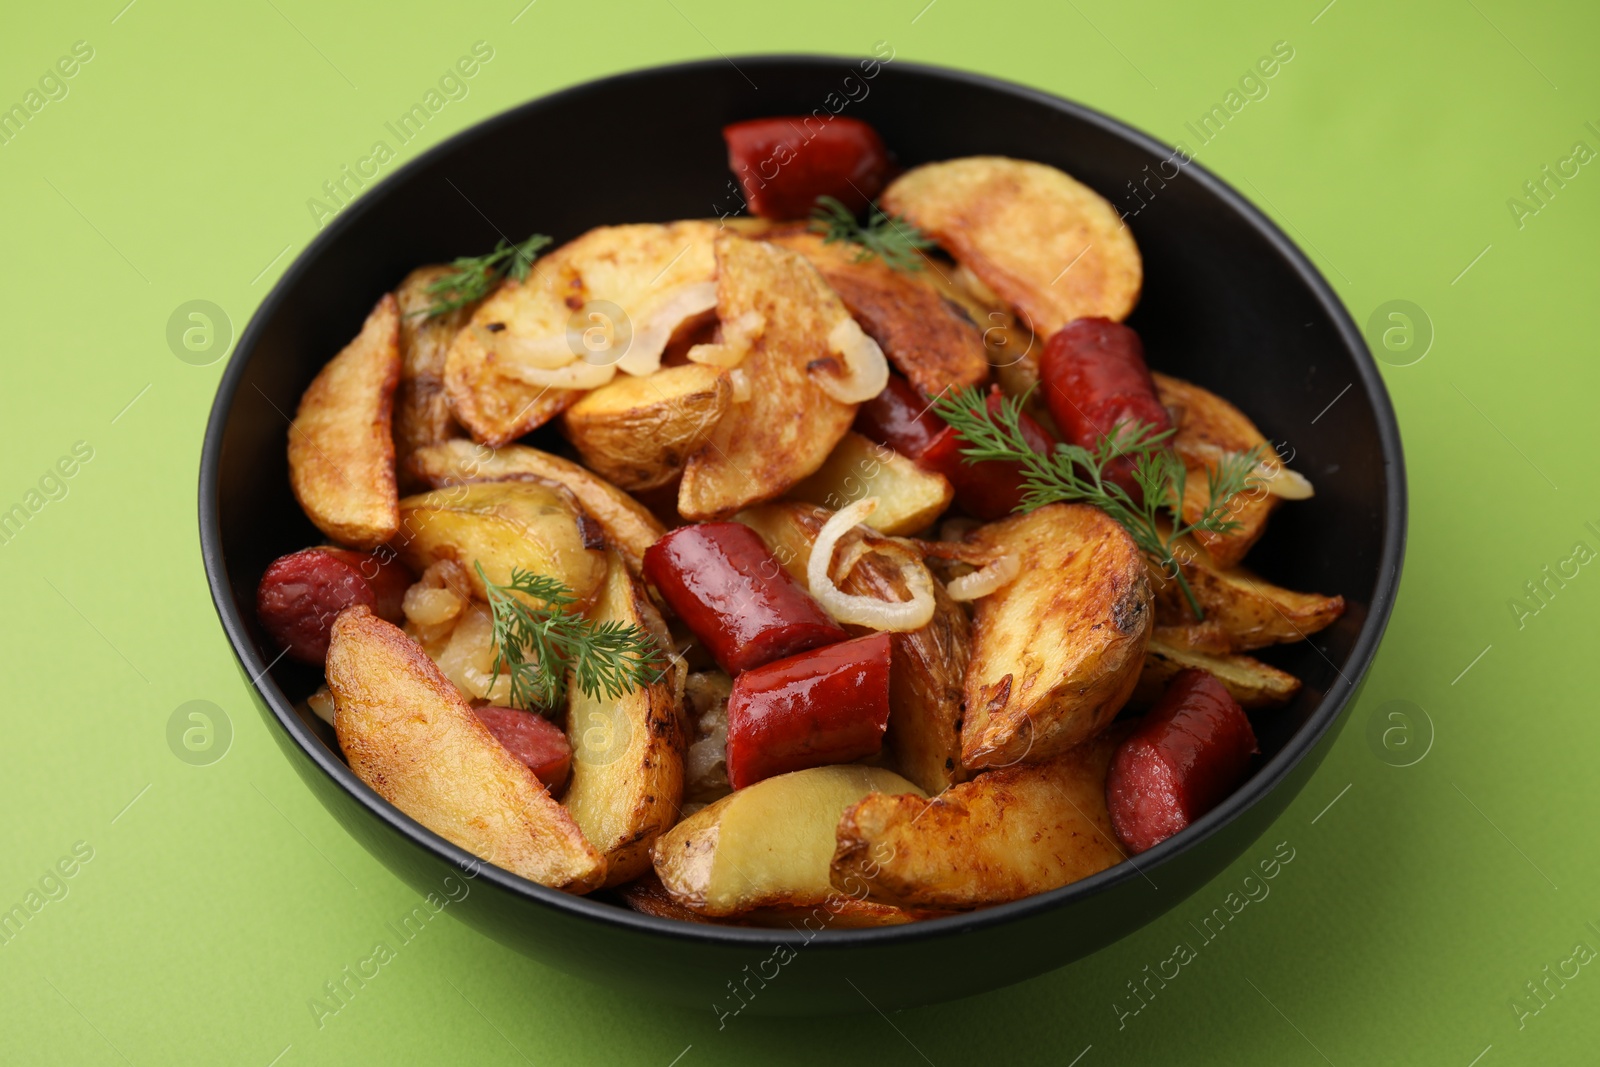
1264 781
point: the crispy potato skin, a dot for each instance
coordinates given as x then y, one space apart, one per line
1252 612
1057 651
341 452
1047 245
1205 419
627 752
767 845
1255 685
408 734
909 497
1005 835
629 526
627 265
421 407
929 338
786 429
839 912
639 432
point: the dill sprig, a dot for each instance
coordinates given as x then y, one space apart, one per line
474 276
539 646
889 237
1072 473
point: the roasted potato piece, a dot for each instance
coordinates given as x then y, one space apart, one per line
421 408
1207 427
629 526
1056 651
927 665
341 452
1004 835
533 525
408 734
639 432
627 752
909 497
839 912
1052 248
1253 613
643 270
929 338
768 844
785 312
1252 683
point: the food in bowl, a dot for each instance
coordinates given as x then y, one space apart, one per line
729 568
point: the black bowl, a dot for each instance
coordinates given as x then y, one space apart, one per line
1229 303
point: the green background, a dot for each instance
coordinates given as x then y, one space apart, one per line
220 897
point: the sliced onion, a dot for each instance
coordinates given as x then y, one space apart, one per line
1274 477
651 334
897 616
576 375
547 352
866 371
985 580
738 334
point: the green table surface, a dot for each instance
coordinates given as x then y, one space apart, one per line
1444 874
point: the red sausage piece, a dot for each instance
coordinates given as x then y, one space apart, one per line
827 706
785 163
720 579
992 489
1094 377
899 417
301 593
1188 753
533 739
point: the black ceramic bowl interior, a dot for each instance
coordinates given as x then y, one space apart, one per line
1228 303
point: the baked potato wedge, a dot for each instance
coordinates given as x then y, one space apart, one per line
1056 651
783 313
839 912
639 432
536 526
421 408
1207 427
927 665
633 284
909 497
1049 246
628 525
408 734
767 845
1255 685
1004 835
930 339
341 450
1252 612
627 751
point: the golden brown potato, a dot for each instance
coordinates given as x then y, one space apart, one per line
1047 245
1253 684
639 432
789 424
1207 427
629 526
932 340
408 734
1253 613
768 844
839 912
341 452
642 270
421 408
909 497
1057 650
928 664
536 526
1005 835
627 752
